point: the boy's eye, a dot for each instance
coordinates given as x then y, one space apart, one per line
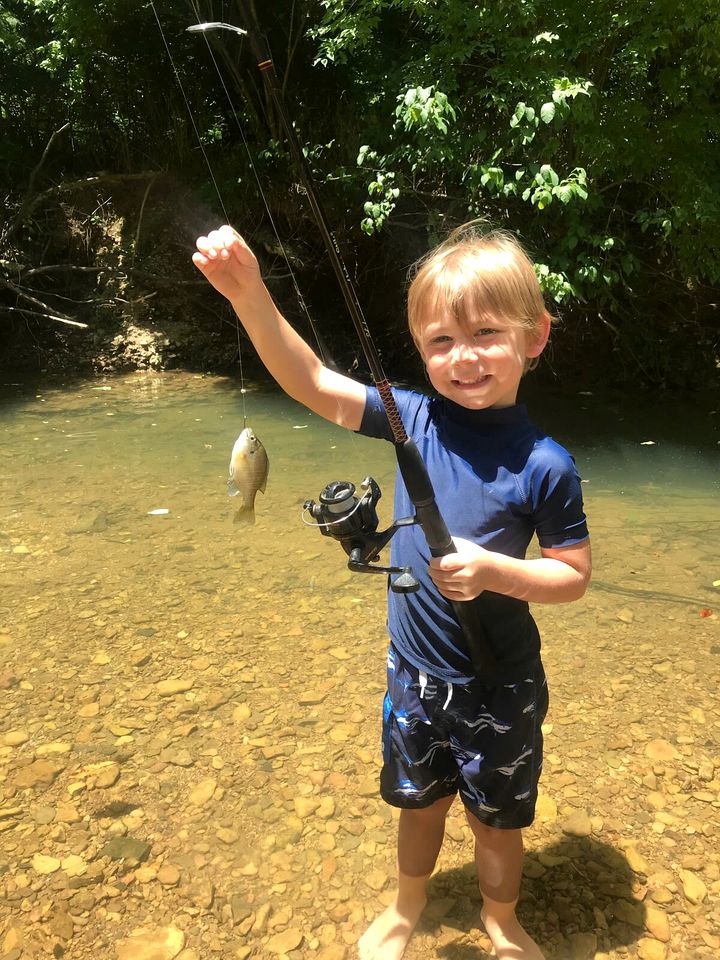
485 331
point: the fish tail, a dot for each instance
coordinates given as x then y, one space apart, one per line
245 514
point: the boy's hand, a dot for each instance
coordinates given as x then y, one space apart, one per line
464 575
228 263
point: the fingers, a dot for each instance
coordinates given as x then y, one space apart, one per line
218 244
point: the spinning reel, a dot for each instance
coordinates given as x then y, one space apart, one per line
353 521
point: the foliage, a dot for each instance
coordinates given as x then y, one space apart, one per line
590 129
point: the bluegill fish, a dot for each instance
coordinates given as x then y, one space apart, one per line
248 473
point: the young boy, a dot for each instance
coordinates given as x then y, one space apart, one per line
477 317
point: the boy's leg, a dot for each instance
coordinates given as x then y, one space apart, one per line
498 860
420 836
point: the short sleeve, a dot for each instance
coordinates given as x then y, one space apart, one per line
556 497
412 407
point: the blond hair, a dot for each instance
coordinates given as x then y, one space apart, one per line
476 275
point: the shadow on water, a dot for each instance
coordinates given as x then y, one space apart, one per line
590 903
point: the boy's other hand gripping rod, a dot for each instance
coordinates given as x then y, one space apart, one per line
412 467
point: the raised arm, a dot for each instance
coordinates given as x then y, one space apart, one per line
230 266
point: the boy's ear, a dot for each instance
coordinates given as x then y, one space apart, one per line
537 340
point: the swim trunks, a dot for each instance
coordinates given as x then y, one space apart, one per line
481 740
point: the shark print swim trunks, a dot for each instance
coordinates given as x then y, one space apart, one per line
476 739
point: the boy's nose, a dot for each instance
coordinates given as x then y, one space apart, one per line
465 352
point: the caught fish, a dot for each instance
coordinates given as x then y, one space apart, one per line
248 473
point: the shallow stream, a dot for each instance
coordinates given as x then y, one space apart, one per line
190 709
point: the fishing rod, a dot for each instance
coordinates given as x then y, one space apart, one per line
340 514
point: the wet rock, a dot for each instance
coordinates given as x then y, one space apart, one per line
693 887
126 848
636 861
582 946
107 776
631 913
656 922
651 949
170 688
43 864
168 875
16 738
203 793
285 942
143 944
40 773
660 749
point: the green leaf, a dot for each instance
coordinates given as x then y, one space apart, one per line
547 112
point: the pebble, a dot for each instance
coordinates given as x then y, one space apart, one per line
16 738
578 824
660 749
40 773
43 864
170 688
107 776
651 949
203 793
126 848
238 758
286 941
656 922
168 875
143 944
693 887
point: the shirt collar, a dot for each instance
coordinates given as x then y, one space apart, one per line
493 416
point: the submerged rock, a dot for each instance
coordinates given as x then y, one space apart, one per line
161 944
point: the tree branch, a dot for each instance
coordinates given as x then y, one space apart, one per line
26 205
46 310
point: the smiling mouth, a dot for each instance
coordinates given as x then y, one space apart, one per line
478 381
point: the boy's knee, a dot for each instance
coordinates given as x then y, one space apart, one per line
435 811
491 835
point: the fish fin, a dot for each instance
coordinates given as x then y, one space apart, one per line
262 486
245 515
233 489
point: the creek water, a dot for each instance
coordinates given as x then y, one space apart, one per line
213 690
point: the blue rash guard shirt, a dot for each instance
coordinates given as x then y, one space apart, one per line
498 480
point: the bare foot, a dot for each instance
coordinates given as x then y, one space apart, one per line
510 940
387 936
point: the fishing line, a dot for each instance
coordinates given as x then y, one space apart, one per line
412 467
203 28
243 390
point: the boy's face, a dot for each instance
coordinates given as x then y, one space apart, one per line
479 366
